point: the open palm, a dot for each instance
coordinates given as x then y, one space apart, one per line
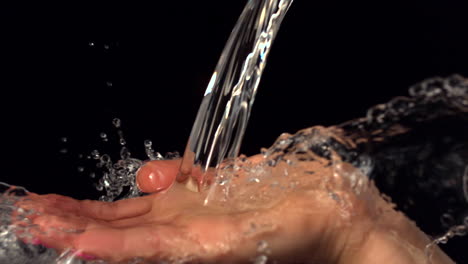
304 226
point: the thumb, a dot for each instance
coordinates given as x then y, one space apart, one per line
158 175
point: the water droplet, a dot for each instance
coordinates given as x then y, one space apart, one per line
64 151
399 105
148 143
106 46
460 230
442 240
253 179
105 159
80 169
124 153
377 114
109 84
262 259
116 122
447 220
64 139
91 44
95 154
263 151
104 137
152 155
92 175
262 246
121 137
223 182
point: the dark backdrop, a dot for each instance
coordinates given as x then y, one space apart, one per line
69 68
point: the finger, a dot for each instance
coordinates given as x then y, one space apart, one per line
51 204
34 205
115 210
60 203
119 244
57 232
156 176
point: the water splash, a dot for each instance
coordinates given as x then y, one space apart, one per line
460 230
225 109
118 179
15 249
392 138
152 155
410 145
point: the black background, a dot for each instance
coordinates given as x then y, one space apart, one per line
330 62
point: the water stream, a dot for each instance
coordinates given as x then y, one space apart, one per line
225 109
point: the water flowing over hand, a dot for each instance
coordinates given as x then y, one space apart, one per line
304 226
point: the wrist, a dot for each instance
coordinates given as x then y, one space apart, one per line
393 238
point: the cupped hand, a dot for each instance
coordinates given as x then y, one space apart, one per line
172 224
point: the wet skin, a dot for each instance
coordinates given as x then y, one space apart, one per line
303 226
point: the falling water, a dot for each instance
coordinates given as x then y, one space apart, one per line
222 118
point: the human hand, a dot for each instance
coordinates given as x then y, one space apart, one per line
300 226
